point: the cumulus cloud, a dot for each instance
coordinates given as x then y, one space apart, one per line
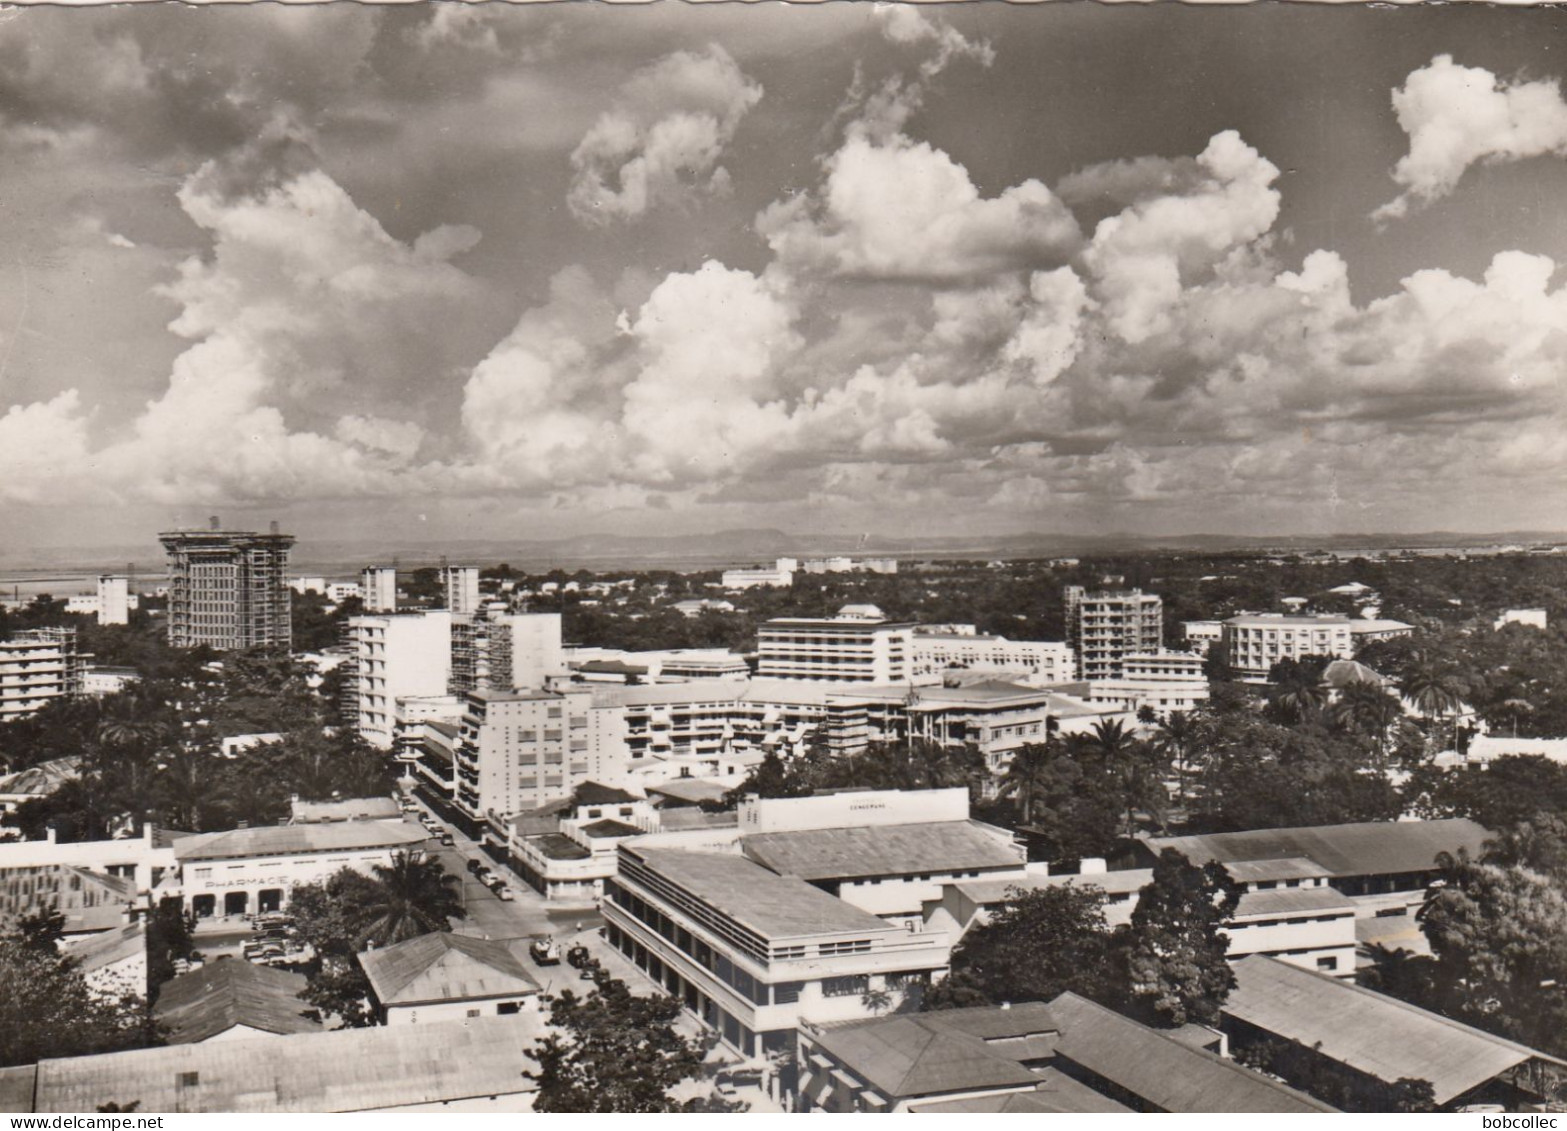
661 143
1456 116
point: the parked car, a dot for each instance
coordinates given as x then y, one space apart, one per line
545 952
446 838
578 956
504 894
474 867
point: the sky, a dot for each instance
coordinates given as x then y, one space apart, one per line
431 272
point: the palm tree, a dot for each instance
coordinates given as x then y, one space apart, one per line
1433 688
1126 758
1176 741
1301 694
414 895
1365 708
1025 778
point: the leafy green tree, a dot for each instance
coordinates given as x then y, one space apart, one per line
169 939
412 896
1509 791
1039 945
612 1051
1027 779
48 1011
1176 945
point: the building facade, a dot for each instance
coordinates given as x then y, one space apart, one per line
1038 662
38 666
1163 682
378 589
114 600
1106 627
835 649
1253 644
505 651
461 586
396 656
228 589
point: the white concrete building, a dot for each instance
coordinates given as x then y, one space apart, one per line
378 588
1364 630
244 871
1035 663
1103 627
37 666
461 586
447 977
1203 636
1162 681
505 651
114 600
780 576
396 655
1534 618
1253 644
835 649
303 585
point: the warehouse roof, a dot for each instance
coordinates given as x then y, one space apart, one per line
292 840
1054 1094
445 967
1164 1072
1368 848
1288 901
1370 1032
341 1070
348 809
884 850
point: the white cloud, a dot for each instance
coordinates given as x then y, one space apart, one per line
661 143
1456 116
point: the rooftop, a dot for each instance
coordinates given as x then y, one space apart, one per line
673 820
105 948
348 809
1166 1073
774 906
445 967
342 1070
42 779
1288 901
1342 673
558 846
1282 868
599 830
693 790
1273 620
284 840
1368 848
1120 882
1370 1032
884 850
1054 1094
595 793
220 995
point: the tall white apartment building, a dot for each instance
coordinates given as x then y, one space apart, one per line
835 648
505 651
518 750
1105 627
114 600
1162 681
395 656
461 584
1253 644
378 589
37 666
1043 661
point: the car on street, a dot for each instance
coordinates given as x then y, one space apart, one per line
503 893
474 867
578 956
544 951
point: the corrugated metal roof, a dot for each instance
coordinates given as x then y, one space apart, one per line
693 789
1055 1094
108 947
988 892
1284 868
445 967
42 779
1370 1032
774 906
673 820
342 1070
16 1088
884 850
1368 848
348 809
1162 1071
230 992
907 1056
284 840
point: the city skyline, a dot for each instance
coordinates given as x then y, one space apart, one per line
441 272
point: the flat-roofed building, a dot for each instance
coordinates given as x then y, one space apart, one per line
1035 662
1370 1040
1367 630
1106 626
378 589
228 589
751 953
38 666
114 599
460 586
505 651
1163 682
244 871
395 656
835 649
1203 636
1253 644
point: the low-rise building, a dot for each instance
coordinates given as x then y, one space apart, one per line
37 781
780 576
442 977
1368 630
1035 663
145 864
1253 644
233 1000
1533 618
244 871
1370 1040
1163 682
113 962
346 809
752 954
1203 636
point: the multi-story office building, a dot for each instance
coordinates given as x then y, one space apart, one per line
396 656
1105 627
1253 644
114 600
1203 636
378 589
1036 662
461 585
37 666
751 953
228 589
518 750
505 651
1161 681
847 649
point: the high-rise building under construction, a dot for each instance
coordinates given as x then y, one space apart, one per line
228 589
